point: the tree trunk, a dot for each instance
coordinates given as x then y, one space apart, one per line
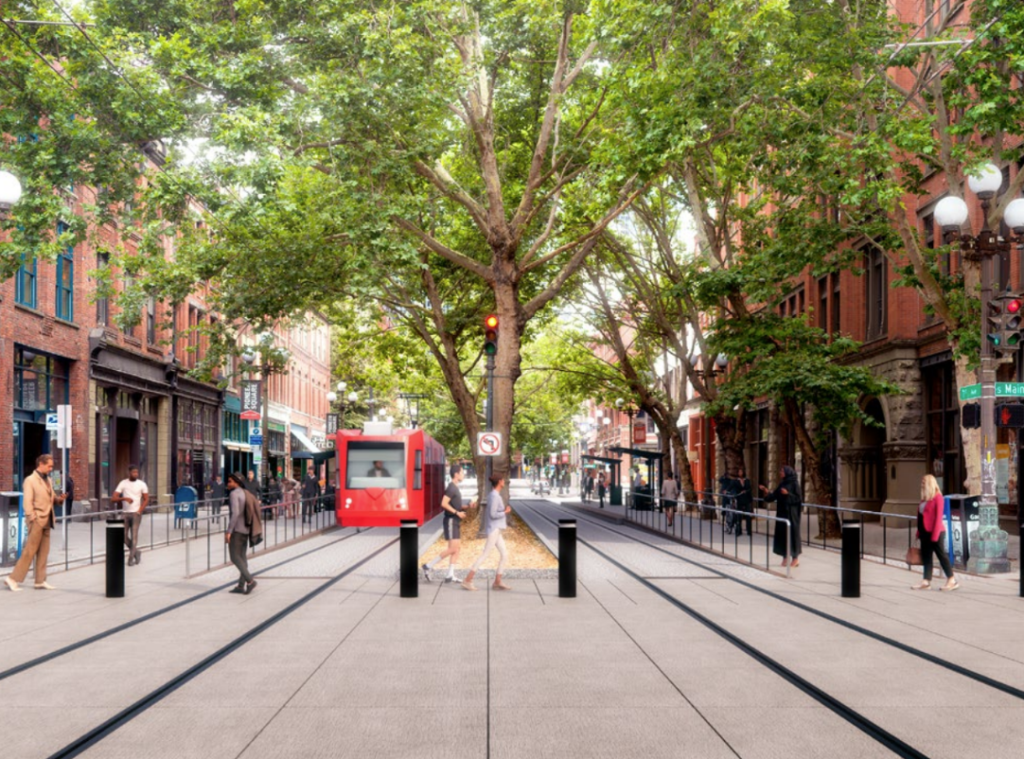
731 439
828 519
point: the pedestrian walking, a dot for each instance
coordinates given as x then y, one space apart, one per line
931 529
602 486
133 495
669 499
451 503
38 502
237 533
790 504
310 494
588 485
744 502
218 495
289 495
497 513
252 484
273 499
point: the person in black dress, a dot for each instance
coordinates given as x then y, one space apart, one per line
790 504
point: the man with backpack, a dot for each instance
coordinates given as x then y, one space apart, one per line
244 529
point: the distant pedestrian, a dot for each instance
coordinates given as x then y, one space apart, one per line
133 495
237 533
588 485
744 502
451 503
273 499
252 484
69 497
38 502
790 504
669 499
310 494
497 514
931 529
218 495
289 495
602 486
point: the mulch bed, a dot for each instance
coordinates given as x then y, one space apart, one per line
525 550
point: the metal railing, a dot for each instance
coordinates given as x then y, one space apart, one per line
885 537
877 536
79 539
706 534
282 523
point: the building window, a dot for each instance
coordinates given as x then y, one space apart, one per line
102 304
823 303
40 381
151 321
25 284
836 313
65 279
877 281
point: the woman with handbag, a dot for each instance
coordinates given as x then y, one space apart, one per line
790 504
931 530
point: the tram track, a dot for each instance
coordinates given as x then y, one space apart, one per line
80 644
90 738
958 669
867 726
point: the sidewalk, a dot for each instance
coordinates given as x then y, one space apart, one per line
616 672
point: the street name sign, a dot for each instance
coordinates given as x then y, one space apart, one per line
1003 390
488 443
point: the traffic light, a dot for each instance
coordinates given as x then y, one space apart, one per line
1005 320
491 335
1010 415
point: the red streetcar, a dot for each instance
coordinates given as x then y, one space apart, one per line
387 476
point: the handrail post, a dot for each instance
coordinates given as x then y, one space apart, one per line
789 538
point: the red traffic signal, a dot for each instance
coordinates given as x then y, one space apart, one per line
491 335
1006 319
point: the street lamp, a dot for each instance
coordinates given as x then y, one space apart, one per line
988 546
10 192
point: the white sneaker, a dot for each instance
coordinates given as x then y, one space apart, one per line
11 584
44 585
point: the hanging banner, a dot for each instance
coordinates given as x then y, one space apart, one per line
639 433
251 398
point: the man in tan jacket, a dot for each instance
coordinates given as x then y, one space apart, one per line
39 500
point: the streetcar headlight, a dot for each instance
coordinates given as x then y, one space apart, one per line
401 503
348 503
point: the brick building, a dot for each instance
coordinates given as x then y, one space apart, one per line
132 399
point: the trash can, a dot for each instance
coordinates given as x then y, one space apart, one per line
615 497
11 519
184 504
963 519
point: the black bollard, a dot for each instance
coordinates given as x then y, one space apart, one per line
851 559
409 547
1021 570
115 558
567 558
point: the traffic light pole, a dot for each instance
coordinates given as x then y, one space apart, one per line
993 557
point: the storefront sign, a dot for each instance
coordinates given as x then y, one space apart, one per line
332 425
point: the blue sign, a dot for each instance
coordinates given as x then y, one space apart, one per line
255 440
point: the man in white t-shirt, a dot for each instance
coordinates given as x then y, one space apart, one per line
133 494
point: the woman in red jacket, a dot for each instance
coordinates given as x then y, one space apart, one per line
931 530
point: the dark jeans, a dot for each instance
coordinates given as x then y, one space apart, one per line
238 549
929 547
744 517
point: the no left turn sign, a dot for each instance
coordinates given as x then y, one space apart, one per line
488 443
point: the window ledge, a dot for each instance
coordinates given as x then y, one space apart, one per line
29 310
133 341
66 323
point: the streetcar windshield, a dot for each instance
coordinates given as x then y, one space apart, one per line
374 464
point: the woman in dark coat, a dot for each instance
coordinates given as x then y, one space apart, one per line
790 505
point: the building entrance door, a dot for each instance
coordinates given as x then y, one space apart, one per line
127 450
31 442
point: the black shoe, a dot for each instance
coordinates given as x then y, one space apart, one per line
237 589
426 572
249 586
138 559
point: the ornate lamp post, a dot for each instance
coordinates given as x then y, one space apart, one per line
988 546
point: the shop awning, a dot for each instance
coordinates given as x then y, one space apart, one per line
304 448
637 452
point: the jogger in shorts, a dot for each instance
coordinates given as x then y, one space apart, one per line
451 503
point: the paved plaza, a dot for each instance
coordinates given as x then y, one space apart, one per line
635 665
